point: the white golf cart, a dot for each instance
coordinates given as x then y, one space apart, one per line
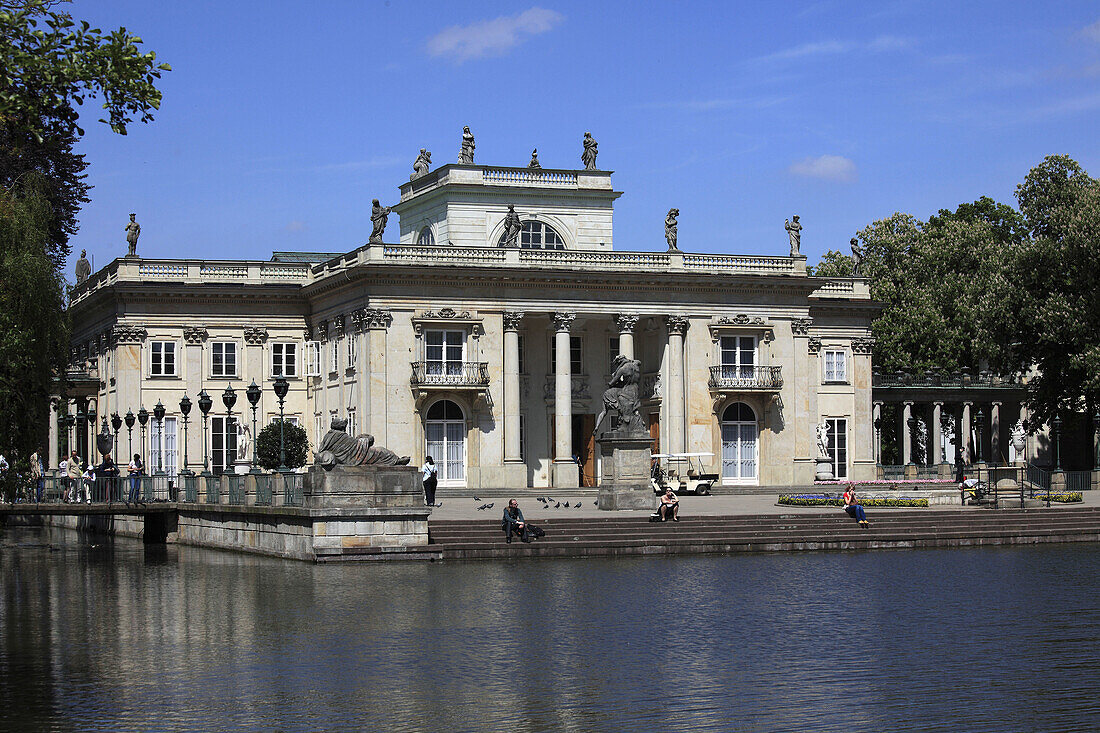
683 472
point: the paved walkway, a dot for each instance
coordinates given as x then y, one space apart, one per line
467 507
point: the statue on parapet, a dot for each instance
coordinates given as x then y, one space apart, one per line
379 215
340 449
83 267
466 154
534 159
794 231
512 227
422 164
244 440
133 231
857 257
670 229
823 440
621 396
591 150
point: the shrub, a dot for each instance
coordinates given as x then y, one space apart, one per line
295 445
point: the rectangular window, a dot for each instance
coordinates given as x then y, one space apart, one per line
319 426
836 366
162 447
576 364
351 423
313 358
522 355
223 359
162 360
351 351
444 352
223 443
334 353
284 360
612 349
738 354
838 445
290 420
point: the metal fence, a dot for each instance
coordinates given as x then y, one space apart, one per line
1078 480
893 472
292 489
213 488
236 489
1039 478
191 489
265 490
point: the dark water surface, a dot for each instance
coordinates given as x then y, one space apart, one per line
101 636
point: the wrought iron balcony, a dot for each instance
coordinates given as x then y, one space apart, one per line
451 374
731 378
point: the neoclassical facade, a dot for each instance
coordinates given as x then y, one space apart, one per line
490 355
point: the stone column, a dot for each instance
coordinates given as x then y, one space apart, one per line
964 429
934 434
512 321
54 411
626 323
677 328
995 434
565 471
906 433
876 423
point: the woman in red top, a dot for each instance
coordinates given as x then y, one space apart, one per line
854 510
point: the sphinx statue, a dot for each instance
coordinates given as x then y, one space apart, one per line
340 449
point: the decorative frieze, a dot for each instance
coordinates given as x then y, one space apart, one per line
626 322
741 319
255 336
512 320
445 313
801 326
195 334
863 346
563 320
813 345
128 334
677 325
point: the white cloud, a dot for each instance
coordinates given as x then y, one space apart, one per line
1092 32
820 48
492 37
889 43
825 167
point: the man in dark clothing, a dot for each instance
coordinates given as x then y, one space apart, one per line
513 523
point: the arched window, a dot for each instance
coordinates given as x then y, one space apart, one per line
537 235
445 441
739 444
426 239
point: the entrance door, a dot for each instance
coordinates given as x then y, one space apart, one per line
445 433
739 444
584 448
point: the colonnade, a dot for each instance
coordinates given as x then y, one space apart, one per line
971 420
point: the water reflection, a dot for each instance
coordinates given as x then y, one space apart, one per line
105 636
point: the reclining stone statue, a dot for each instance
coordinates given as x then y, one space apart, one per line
340 449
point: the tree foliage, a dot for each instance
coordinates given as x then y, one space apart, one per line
832 264
296 446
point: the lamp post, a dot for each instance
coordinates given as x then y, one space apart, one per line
90 415
130 420
979 422
205 403
253 393
1057 442
81 417
281 388
158 415
116 423
70 421
185 410
229 398
143 419
1096 451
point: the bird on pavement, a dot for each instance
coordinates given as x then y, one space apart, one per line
557 505
578 506
477 498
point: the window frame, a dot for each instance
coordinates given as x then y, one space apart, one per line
825 354
352 351
420 237
334 357
162 343
236 353
527 236
835 449
283 345
576 354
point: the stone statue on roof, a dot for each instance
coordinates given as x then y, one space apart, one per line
379 215
591 150
534 159
422 164
670 229
83 267
857 257
133 231
466 154
794 231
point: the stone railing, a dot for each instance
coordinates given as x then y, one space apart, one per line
738 263
749 378
945 379
497 175
529 176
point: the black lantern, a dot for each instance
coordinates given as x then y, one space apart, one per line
185 410
281 388
91 415
116 423
229 398
1057 422
979 422
253 394
130 420
158 415
205 403
143 420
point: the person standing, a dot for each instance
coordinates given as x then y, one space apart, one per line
39 477
431 479
135 471
75 473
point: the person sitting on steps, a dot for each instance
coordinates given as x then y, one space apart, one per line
513 524
852 507
670 506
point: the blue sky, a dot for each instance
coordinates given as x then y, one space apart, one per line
279 125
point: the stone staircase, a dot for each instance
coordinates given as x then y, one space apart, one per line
612 536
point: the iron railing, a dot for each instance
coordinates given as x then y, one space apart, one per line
450 374
213 488
191 489
1078 480
265 486
1038 477
292 489
892 472
732 377
236 489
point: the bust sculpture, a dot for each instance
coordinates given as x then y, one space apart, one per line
794 231
83 267
857 257
670 229
340 449
512 227
591 150
466 154
379 215
621 396
133 231
422 164
534 159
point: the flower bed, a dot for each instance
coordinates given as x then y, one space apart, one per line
1062 497
867 501
887 483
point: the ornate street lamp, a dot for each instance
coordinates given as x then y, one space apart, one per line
185 410
229 398
281 388
1096 427
1057 442
253 393
158 415
979 422
116 423
143 419
205 403
90 416
130 420
70 421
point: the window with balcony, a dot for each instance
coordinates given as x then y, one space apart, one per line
738 356
444 352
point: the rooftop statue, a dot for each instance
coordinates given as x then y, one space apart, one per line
591 150
534 159
133 231
379 215
857 257
422 164
340 449
466 154
794 231
670 229
83 267
621 396
512 227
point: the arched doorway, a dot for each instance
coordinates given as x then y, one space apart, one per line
445 435
740 446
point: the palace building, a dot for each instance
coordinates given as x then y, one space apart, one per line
491 352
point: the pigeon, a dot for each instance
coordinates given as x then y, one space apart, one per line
557 505
596 503
541 498
483 507
439 504
578 506
477 498
489 505
549 498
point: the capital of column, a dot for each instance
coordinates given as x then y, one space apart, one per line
626 321
375 318
995 404
563 320
512 320
907 403
677 325
968 405
938 404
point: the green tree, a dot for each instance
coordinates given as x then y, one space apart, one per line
296 446
832 264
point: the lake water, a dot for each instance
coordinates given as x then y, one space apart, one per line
102 636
